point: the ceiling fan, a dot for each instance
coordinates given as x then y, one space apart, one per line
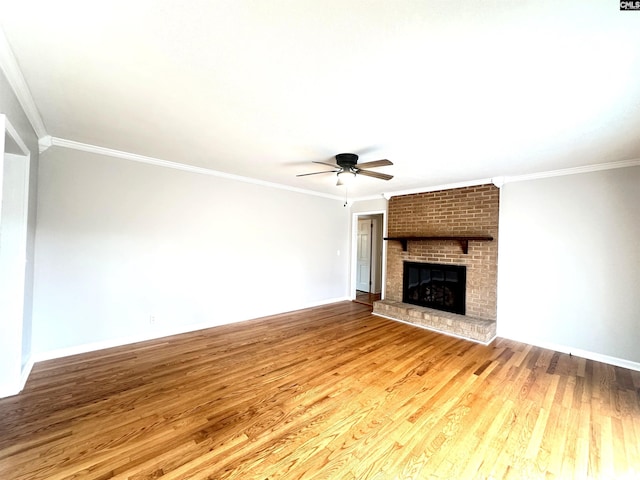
347 168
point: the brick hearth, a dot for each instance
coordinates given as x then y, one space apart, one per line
460 211
476 329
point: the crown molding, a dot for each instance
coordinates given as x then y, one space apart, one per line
368 197
574 170
47 141
499 181
446 186
11 69
109 152
44 143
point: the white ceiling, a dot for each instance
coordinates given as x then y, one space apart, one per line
449 91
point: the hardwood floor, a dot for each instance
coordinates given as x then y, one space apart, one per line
366 297
331 392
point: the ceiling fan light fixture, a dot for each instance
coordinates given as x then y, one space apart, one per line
346 177
346 166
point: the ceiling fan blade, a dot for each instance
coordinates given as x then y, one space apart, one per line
381 176
316 173
375 163
327 163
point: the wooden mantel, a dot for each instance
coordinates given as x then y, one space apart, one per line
463 239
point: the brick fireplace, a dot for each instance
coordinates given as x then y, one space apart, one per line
461 212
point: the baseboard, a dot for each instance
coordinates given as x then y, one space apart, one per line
315 304
8 392
26 371
598 357
166 332
17 387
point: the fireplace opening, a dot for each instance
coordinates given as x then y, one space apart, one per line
432 285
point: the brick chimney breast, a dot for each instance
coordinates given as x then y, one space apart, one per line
460 211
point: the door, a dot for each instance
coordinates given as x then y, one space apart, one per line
363 265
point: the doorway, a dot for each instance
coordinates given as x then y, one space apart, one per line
368 265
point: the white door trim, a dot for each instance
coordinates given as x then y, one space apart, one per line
13 257
354 249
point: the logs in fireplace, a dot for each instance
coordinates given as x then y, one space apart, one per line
432 285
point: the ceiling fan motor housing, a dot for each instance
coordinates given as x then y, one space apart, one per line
347 160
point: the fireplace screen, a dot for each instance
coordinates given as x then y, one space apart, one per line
435 286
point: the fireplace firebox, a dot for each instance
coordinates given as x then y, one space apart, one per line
432 285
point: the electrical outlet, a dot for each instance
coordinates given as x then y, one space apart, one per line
152 320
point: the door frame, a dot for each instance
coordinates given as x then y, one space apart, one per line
15 369
354 249
371 261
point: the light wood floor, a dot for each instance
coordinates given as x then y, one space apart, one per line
325 393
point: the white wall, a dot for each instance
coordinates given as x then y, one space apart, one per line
119 242
569 264
376 205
